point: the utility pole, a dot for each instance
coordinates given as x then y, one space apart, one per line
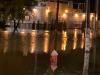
87 40
56 23
57 11
94 33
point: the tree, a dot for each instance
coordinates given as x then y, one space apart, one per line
12 9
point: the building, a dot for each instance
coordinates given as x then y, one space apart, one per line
45 11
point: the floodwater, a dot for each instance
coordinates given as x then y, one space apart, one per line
42 41
28 53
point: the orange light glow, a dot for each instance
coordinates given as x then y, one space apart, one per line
83 16
75 39
64 41
66 11
46 41
76 15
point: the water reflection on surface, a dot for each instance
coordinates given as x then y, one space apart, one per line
6 41
91 37
46 41
24 43
75 39
64 40
29 42
40 41
82 41
33 41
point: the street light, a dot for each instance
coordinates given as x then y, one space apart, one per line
66 11
76 15
47 10
24 8
64 16
91 16
83 15
34 10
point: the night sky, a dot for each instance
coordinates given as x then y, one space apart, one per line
92 4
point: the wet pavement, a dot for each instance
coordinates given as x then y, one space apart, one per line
28 53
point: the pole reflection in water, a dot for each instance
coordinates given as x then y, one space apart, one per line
75 39
82 41
91 37
6 38
24 43
46 41
33 41
29 42
64 40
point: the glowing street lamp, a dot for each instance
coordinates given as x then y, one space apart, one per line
34 10
76 15
23 8
66 11
64 16
83 15
91 16
47 10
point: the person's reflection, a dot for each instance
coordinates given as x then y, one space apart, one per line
53 68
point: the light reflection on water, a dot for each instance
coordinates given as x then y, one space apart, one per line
75 39
29 42
33 41
46 42
91 37
24 44
82 41
40 40
64 40
6 36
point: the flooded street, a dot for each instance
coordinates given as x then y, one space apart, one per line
28 53
42 41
